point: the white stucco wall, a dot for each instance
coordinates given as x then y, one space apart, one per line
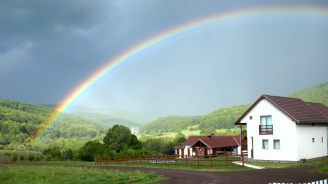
237 150
308 149
284 129
295 139
186 152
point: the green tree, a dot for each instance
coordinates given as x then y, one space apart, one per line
120 139
90 149
67 154
179 139
53 152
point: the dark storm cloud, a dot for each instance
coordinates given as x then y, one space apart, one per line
48 47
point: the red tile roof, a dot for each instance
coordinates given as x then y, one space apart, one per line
214 141
296 109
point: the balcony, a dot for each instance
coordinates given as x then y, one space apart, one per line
265 129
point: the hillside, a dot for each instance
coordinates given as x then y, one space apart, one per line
223 118
219 119
317 93
20 121
110 118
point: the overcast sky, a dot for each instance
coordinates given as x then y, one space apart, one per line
47 48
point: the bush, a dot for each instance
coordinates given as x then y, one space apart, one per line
67 154
38 158
21 157
31 157
89 150
53 152
14 158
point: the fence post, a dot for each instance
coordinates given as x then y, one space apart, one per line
242 158
211 161
165 160
175 161
198 162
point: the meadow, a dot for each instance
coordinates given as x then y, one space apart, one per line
70 173
317 165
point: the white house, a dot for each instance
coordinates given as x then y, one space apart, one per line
285 129
208 145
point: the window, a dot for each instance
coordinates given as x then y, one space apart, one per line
250 117
276 144
265 144
266 127
322 139
313 140
266 120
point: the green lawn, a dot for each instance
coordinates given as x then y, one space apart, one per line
320 165
217 164
69 173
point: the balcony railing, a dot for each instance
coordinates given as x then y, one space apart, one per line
265 129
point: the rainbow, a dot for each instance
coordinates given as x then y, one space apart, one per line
162 36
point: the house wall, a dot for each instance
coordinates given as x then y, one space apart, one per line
237 150
308 149
284 129
185 152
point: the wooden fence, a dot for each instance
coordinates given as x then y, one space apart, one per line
210 161
325 181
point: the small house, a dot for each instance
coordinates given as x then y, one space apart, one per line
208 145
285 129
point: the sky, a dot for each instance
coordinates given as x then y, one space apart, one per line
48 48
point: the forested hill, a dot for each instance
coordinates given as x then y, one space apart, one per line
20 121
225 117
222 118
317 93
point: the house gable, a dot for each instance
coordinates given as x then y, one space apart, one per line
296 109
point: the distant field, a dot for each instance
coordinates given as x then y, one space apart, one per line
192 130
69 173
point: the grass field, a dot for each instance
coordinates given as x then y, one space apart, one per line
216 164
319 165
69 173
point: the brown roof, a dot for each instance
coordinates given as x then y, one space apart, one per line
214 141
296 109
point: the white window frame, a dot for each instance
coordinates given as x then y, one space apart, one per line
274 145
263 144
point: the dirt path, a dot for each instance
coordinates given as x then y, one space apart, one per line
295 175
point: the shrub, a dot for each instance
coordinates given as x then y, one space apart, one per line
90 149
38 158
14 157
53 152
21 157
31 157
67 154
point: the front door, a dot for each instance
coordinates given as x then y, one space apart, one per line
188 152
182 153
